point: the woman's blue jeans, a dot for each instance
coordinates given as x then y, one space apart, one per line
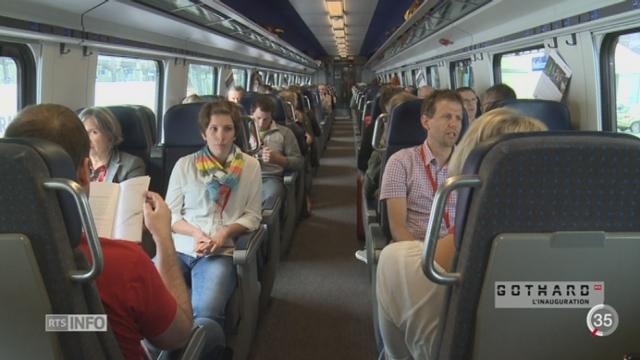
212 280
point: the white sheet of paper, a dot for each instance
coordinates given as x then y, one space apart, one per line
129 217
103 199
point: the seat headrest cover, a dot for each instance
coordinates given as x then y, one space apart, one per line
405 129
552 113
135 128
180 125
59 165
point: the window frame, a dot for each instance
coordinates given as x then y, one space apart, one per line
452 73
497 59
161 78
216 73
26 71
608 93
430 81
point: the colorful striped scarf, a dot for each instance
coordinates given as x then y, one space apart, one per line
220 180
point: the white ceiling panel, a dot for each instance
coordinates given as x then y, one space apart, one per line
358 16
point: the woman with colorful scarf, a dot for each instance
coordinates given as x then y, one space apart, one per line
214 195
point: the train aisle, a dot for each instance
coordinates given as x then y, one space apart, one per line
321 301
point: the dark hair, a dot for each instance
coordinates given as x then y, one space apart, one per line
463 89
218 107
55 123
238 89
263 103
500 92
428 107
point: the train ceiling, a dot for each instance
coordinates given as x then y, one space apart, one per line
306 24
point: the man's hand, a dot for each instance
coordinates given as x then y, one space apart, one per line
157 216
266 154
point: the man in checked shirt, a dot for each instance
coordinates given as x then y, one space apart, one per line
411 176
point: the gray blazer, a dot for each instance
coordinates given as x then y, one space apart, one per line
123 166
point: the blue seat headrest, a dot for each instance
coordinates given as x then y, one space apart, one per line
405 129
180 125
135 129
552 113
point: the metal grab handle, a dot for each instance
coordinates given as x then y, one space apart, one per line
435 222
364 113
87 222
307 101
381 121
252 134
292 110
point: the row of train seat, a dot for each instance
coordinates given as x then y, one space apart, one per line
577 223
489 250
256 256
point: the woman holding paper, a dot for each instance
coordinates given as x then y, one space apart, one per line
214 195
108 164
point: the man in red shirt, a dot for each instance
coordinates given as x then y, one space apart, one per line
141 300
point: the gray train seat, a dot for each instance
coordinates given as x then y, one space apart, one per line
43 270
541 207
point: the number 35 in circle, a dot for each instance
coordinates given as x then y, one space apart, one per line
602 320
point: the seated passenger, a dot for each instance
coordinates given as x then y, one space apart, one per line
214 196
411 90
279 148
424 91
364 153
141 300
470 101
193 98
495 95
410 305
372 176
411 176
107 162
235 94
326 99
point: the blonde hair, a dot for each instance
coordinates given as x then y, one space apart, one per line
488 126
398 99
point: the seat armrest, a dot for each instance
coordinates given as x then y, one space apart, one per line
191 351
290 177
269 208
248 244
377 242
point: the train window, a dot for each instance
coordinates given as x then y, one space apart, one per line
627 70
520 70
125 80
619 59
17 81
461 73
8 91
201 79
240 77
433 78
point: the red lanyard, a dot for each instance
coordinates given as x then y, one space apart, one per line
224 204
434 184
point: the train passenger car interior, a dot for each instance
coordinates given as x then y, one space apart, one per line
326 179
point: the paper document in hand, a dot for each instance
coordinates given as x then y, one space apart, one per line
117 208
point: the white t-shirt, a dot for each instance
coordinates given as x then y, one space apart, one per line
410 306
